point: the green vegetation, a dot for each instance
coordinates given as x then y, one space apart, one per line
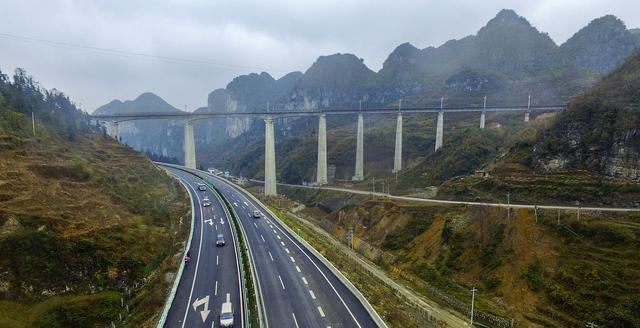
84 220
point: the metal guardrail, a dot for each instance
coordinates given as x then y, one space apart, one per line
176 281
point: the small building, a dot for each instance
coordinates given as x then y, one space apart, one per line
481 174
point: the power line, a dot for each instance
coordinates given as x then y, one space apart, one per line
125 53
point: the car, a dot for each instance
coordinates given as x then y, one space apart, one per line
206 202
257 214
226 313
202 187
220 240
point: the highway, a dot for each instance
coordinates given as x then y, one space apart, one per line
297 289
212 275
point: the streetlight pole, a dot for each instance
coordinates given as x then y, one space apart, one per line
473 298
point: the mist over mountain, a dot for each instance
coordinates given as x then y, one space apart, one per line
506 60
145 103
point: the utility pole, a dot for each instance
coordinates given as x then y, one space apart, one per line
535 212
578 211
33 123
473 299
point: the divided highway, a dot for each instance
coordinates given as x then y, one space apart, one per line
212 275
297 288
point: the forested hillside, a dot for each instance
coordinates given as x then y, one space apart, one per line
84 220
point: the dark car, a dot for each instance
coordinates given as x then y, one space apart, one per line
220 240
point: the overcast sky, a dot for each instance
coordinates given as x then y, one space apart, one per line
239 37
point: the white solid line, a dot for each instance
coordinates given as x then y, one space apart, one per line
270 256
298 268
321 312
281 283
305 280
215 292
262 238
286 250
294 319
292 259
313 296
195 275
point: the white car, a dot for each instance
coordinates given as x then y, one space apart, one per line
226 314
202 187
206 202
257 214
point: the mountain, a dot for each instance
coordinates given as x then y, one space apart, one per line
601 45
145 103
506 60
599 131
82 218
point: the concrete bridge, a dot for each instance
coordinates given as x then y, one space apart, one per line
321 178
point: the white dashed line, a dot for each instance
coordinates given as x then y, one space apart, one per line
270 256
282 242
274 231
278 236
292 259
216 260
305 280
286 250
298 268
313 296
215 292
294 319
255 225
262 238
321 312
281 283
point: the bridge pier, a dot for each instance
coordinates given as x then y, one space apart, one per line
189 145
397 156
269 158
322 150
484 112
359 174
526 116
439 130
112 130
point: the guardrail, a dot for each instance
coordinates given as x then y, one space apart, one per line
176 281
372 312
246 258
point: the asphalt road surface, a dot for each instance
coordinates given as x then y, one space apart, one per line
297 289
212 273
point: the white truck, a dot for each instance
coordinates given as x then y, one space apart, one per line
226 313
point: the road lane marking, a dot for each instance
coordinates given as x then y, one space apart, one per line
323 275
313 296
205 311
292 259
282 243
216 260
274 231
270 256
262 238
321 312
195 275
305 280
298 269
255 225
235 204
286 250
278 236
281 283
216 227
294 319
215 292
